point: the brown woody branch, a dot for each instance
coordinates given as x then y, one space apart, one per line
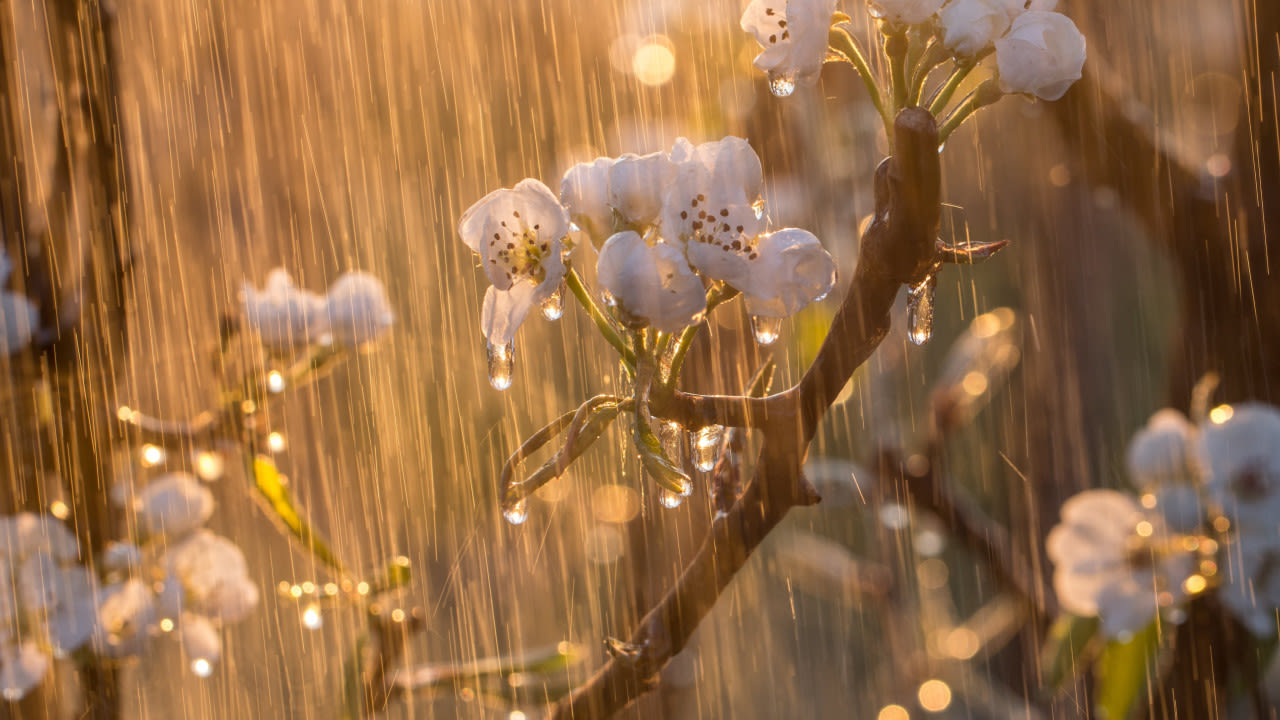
898 247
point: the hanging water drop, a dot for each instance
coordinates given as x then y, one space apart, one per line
706 447
782 84
553 306
920 310
669 499
766 329
517 512
671 435
502 360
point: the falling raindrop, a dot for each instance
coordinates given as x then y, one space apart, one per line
517 512
782 84
920 310
553 306
766 329
706 447
502 360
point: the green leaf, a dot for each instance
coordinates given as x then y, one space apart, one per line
280 502
1122 673
1067 648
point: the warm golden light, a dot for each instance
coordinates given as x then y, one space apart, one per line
1221 414
893 712
974 383
615 503
653 63
963 643
934 696
1144 529
1195 584
152 455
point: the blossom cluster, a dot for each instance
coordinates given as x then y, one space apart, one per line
1038 52
1205 522
670 228
354 312
178 577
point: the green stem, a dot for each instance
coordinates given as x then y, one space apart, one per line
844 45
602 322
716 297
895 48
986 93
933 56
949 89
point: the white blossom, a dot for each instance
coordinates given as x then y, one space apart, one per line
22 667
1240 457
200 640
1252 590
793 34
904 12
126 612
285 317
1042 55
791 270
519 234
1160 453
971 26
1112 559
637 186
27 534
584 191
358 309
714 199
651 284
173 504
214 577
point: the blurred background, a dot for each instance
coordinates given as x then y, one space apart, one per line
326 136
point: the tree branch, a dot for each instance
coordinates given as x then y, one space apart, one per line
899 247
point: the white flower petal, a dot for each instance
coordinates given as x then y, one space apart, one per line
793 34
505 310
358 308
1042 55
653 284
970 26
585 193
200 639
638 184
173 504
792 269
284 317
1159 453
516 232
21 668
1129 606
1240 458
232 601
27 533
214 575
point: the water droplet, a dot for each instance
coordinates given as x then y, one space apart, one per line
502 360
553 306
670 500
766 329
671 435
706 447
202 667
275 382
782 84
920 310
608 298
516 513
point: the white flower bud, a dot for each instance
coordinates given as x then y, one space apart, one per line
358 308
285 318
651 283
585 194
970 26
1042 55
637 185
173 504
